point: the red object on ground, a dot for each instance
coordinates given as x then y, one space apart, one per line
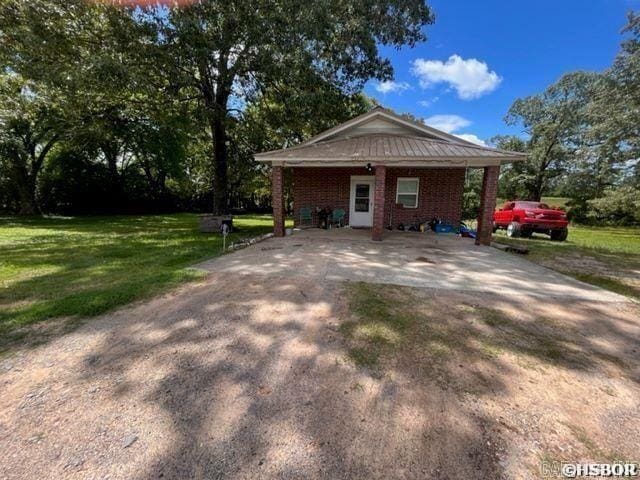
523 218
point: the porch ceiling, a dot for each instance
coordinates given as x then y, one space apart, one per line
391 150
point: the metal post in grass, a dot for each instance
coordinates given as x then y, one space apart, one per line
225 232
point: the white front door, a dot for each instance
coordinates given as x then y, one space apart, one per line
361 201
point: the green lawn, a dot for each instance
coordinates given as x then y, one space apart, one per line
605 256
69 268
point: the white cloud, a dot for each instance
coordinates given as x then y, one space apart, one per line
428 103
471 78
391 86
447 123
470 137
454 123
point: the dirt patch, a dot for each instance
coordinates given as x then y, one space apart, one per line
251 377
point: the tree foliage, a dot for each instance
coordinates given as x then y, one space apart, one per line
165 105
582 136
30 126
553 122
227 54
619 206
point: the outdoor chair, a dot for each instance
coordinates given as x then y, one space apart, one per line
306 216
337 217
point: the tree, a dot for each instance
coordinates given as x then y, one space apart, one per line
514 177
615 110
617 206
226 53
100 61
135 91
281 117
554 122
30 126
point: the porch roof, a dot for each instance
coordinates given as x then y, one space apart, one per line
382 137
388 149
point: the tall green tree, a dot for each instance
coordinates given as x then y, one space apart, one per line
225 53
101 62
282 116
514 177
137 90
615 108
31 124
553 122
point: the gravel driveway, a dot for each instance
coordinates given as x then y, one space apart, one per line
246 376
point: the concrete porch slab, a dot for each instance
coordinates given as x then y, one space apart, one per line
424 260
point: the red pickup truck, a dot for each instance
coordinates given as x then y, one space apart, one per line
521 219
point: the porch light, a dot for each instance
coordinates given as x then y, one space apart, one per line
369 168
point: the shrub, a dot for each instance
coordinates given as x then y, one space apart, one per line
618 206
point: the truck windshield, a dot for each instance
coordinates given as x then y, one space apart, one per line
530 205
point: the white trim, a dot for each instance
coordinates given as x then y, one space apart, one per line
371 180
460 162
417 194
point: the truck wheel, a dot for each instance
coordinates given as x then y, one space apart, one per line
525 233
513 230
495 227
559 235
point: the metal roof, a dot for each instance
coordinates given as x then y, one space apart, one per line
415 148
377 148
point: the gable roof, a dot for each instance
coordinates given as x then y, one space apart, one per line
396 141
379 112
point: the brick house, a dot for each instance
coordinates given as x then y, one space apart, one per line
383 169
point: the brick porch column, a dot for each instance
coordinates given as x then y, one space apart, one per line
487 205
277 200
378 199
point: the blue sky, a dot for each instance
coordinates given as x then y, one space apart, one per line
482 55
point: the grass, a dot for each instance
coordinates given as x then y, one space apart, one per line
381 321
70 268
393 322
591 446
608 257
464 347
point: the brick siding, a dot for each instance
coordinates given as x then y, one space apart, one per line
439 195
277 201
379 205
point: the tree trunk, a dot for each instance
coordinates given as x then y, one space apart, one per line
27 197
216 82
218 115
111 151
535 192
25 184
25 169
220 162
28 205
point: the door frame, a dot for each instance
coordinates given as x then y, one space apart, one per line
371 179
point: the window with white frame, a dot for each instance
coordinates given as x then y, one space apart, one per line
407 192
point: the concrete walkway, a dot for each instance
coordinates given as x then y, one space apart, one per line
412 259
